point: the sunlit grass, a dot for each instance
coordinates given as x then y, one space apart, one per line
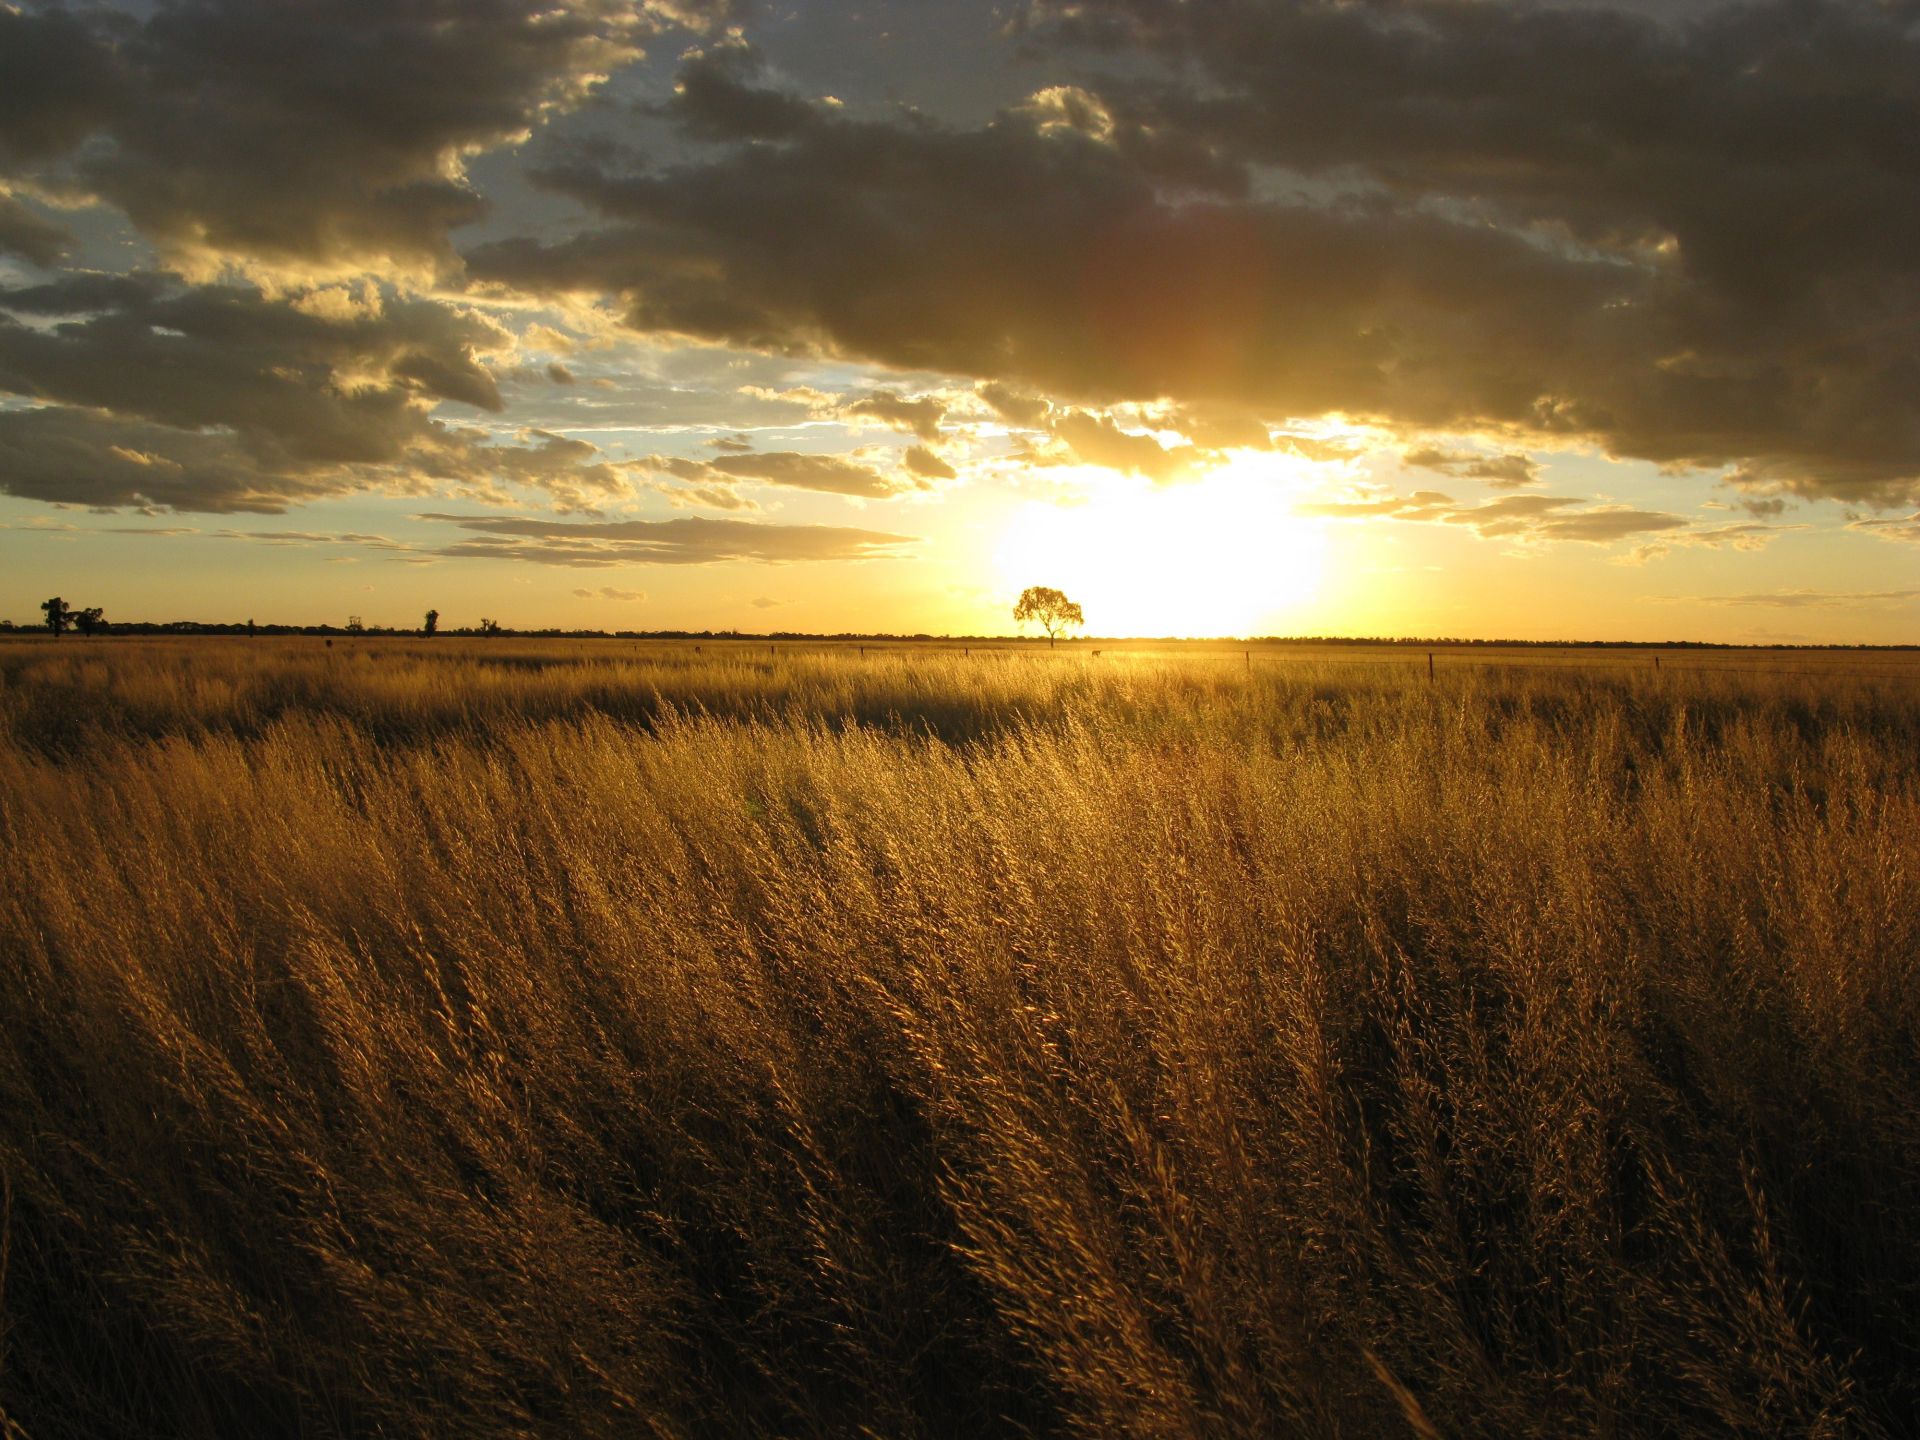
574 1040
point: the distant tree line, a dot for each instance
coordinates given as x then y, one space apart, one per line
92 620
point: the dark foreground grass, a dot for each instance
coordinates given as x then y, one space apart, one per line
685 1046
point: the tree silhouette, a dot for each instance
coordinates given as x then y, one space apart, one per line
433 622
58 614
89 620
1052 610
489 627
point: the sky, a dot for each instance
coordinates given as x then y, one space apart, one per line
1226 317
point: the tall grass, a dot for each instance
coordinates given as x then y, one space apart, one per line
697 1045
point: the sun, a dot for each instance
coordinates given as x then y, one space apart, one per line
1224 555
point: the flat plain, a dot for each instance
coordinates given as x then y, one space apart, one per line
489 1038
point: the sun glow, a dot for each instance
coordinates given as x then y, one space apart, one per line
1224 555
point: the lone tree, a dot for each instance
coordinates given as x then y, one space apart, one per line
90 620
433 622
1053 610
58 614
489 627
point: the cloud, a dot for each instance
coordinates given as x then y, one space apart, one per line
1219 430
830 474
26 233
1560 224
716 497
314 537
1523 517
923 462
1016 406
341 386
1503 472
570 471
1422 505
58 75
601 544
87 457
833 474
1097 440
1318 449
608 592
1905 528
716 96
919 417
1805 599
220 398
324 132
1748 536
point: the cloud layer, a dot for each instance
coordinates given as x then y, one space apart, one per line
311 132
1537 519
597 545
254 256
1693 244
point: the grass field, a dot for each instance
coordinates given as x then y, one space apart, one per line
503 1039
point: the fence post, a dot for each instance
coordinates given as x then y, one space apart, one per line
1429 666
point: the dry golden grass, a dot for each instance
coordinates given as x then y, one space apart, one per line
441 1040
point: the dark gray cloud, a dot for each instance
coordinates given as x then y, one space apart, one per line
334 377
89 457
58 78
718 95
304 131
600 545
145 391
30 235
1689 243
71 455
1770 143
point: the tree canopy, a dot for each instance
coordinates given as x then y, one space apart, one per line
1049 608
